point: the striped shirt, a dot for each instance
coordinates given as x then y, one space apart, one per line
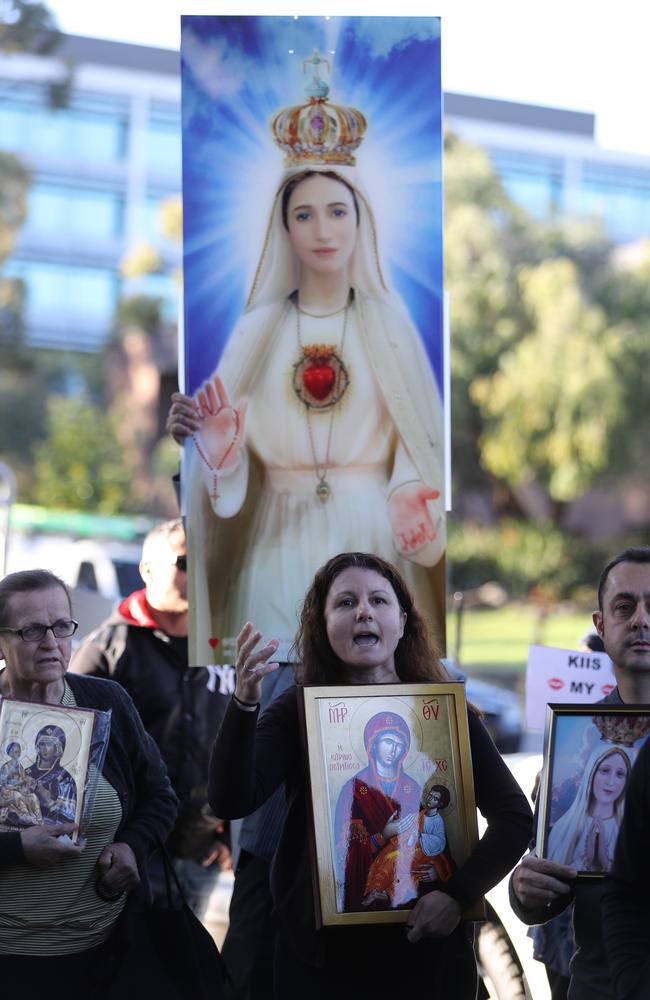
56 911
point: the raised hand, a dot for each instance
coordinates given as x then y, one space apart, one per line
411 518
252 664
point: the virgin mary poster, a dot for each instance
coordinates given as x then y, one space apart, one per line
313 349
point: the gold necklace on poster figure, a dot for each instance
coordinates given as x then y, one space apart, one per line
320 380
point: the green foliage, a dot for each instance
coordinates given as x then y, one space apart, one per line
550 348
141 311
551 404
28 26
81 464
14 184
523 558
27 378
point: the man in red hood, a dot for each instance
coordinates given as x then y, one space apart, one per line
143 646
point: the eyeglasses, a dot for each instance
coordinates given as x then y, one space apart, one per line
36 633
180 562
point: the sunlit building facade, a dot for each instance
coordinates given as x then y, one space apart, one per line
102 165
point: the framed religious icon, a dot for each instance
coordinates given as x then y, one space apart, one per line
392 796
588 756
44 762
313 333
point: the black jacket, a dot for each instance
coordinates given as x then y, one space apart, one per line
626 894
263 756
180 706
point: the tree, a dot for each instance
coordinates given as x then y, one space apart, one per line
28 26
552 403
550 347
14 185
81 462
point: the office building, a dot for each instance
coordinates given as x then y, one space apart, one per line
102 165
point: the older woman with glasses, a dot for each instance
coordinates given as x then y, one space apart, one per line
59 900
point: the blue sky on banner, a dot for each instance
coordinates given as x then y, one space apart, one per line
237 73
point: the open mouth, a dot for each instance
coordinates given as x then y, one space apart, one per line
366 639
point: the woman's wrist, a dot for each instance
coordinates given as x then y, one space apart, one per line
245 704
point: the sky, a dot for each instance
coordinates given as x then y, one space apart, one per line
584 55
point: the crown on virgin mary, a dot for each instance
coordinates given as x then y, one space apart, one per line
622 729
317 131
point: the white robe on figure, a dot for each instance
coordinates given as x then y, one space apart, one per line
253 552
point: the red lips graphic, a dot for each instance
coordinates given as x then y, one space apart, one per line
555 683
606 688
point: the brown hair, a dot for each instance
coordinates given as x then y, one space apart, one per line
24 582
297 179
415 657
636 554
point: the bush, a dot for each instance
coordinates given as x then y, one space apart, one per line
527 559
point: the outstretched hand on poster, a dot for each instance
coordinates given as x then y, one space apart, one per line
221 426
415 522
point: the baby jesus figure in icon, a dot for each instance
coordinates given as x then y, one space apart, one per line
412 862
17 790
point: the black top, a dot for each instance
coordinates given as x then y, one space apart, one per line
265 754
180 706
626 893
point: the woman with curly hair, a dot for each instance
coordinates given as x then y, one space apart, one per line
358 625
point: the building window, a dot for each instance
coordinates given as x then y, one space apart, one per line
57 209
618 196
81 133
163 145
66 305
533 182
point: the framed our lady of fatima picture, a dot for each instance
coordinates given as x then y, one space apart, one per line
392 797
313 329
588 756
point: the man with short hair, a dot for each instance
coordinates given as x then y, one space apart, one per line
540 889
143 646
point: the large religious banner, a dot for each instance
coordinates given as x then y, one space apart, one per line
313 344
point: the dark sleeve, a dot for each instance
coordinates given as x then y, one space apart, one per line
626 894
11 849
260 756
90 658
153 812
509 821
540 914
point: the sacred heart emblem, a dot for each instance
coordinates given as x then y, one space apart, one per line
214 642
319 380
319 377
